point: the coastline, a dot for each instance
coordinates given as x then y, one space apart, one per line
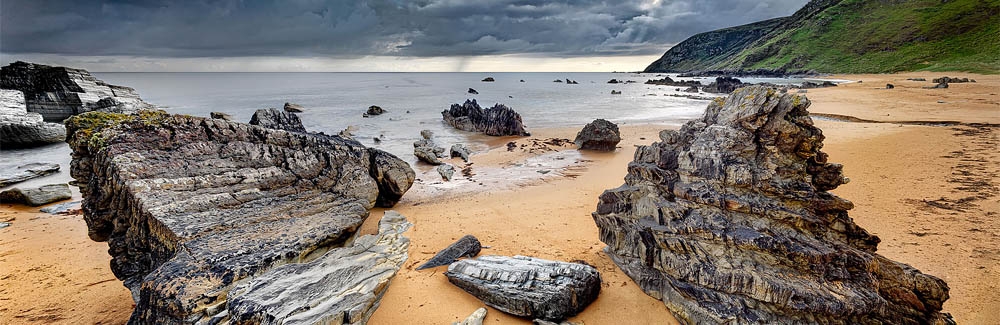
906 184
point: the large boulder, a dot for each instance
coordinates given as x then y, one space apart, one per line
498 120
35 196
191 206
723 85
600 135
273 118
22 129
729 221
25 172
59 92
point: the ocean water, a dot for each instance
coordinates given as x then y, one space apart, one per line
414 101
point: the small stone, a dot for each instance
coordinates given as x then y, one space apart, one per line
488 79
374 111
476 318
473 91
221 116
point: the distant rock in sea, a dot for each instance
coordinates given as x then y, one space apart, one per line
22 129
729 220
488 79
498 120
293 108
374 110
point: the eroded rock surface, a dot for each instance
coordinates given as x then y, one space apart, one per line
467 246
460 151
59 92
729 221
498 120
273 118
189 206
600 135
22 129
25 172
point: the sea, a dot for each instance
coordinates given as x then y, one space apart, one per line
336 101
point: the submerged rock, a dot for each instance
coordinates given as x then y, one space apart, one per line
273 118
59 92
616 92
459 150
467 246
35 196
526 286
293 108
601 135
22 129
729 220
488 79
25 172
190 206
498 120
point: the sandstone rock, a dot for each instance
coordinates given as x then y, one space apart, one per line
614 81
729 221
458 150
476 318
25 172
35 196
467 246
59 92
446 171
498 120
488 79
272 118
723 85
473 91
601 135
22 129
374 110
221 116
293 108
190 206
527 286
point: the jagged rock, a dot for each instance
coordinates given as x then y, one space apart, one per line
221 116
601 135
614 81
458 150
498 120
950 80
473 91
476 318
467 246
723 85
22 129
25 172
343 286
666 81
59 92
446 171
526 286
729 221
273 118
889 86
488 79
426 150
571 82
35 196
293 108
426 134
374 110
557 80
616 92
63 208
938 86
427 155
190 206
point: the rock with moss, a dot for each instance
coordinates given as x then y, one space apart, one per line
60 92
729 220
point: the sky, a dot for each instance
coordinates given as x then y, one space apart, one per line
372 35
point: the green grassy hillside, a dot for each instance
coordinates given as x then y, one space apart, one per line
857 36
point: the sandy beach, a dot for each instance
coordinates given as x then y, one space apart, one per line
927 186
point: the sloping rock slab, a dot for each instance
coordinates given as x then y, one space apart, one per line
35 196
498 120
59 92
729 221
527 286
190 205
25 172
467 246
22 129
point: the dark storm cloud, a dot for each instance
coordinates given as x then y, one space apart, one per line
224 28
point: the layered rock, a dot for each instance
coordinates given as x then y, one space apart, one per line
273 118
22 129
600 135
59 92
25 172
667 81
498 120
190 206
729 221
35 196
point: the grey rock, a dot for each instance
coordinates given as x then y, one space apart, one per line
724 85
729 221
600 135
293 108
427 155
35 196
392 175
488 79
916 79
59 92
476 318
374 110
22 129
343 286
426 134
526 286
498 120
473 91
446 171
614 81
221 116
25 172
616 92
4 224
947 80
942 85
545 322
273 118
467 246
426 150
62 208
459 150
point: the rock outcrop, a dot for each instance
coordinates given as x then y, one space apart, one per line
59 92
467 246
600 135
729 221
25 172
446 171
35 196
723 85
190 206
667 81
293 108
526 286
950 80
22 129
498 120
273 118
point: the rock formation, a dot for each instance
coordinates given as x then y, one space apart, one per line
614 81
22 129
476 318
526 286
373 111
667 81
473 91
488 79
498 120
811 85
458 150
446 171
950 80
59 92
600 135
467 246
293 108
723 85
221 116
190 206
25 172
426 150
273 118
35 196
729 221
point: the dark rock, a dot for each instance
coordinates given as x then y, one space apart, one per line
446 171
22 129
614 81
59 92
473 91
889 86
571 82
527 286
35 196
601 135
916 79
950 80
293 108
511 146
467 246
377 140
729 220
498 120
666 81
192 206
691 89
616 92
221 116
811 85
374 110
427 155
522 80
25 172
557 80
938 86
488 79
723 85
458 150
273 118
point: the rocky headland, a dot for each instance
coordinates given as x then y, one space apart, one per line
60 92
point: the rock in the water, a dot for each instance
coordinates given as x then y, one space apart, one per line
25 172
616 92
557 80
59 92
459 150
614 81
35 196
374 110
729 221
467 246
498 120
571 82
273 118
190 206
293 108
476 318
488 79
601 135
916 79
667 81
723 85
426 134
473 91
22 129
221 116
811 85
344 286
446 171
527 286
